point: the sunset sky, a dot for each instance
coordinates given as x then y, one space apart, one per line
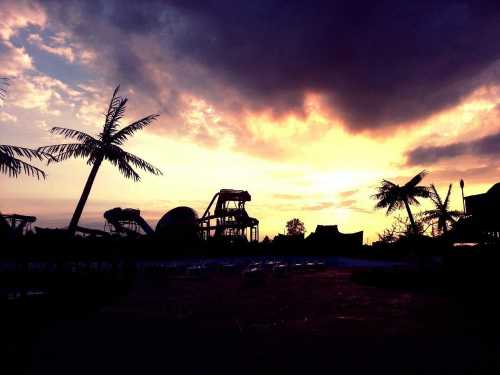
305 104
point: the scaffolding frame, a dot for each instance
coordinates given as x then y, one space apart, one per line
229 218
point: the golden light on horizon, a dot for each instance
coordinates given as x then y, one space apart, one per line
316 172
299 157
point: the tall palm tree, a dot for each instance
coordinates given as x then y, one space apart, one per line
441 212
106 146
392 196
10 164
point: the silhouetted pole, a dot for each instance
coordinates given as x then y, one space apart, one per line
463 198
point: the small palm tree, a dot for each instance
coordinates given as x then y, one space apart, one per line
393 197
105 147
10 164
441 212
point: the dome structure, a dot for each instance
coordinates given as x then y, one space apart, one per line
180 223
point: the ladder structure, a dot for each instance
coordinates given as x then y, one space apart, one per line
229 218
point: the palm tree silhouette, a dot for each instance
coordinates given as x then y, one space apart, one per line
10 164
393 197
441 213
105 147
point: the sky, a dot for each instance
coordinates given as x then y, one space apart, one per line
308 105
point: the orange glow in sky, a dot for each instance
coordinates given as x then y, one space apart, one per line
308 163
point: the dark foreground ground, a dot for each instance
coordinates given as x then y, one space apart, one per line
313 322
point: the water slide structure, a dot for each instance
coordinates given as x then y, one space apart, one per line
224 218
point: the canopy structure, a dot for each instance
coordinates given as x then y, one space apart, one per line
330 236
17 224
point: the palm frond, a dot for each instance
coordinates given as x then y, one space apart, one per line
54 149
141 164
412 200
447 199
420 191
78 152
73 134
117 116
126 169
114 153
385 189
121 136
383 201
13 167
29 153
393 206
386 184
65 151
417 179
434 195
430 215
116 110
113 103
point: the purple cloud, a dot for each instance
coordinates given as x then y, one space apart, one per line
488 146
379 64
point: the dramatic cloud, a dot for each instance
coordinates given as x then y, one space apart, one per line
19 14
305 104
378 64
488 146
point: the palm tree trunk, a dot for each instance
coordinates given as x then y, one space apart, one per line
85 194
410 216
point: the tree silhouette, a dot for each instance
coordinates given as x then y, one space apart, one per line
441 212
295 227
393 197
107 146
10 164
